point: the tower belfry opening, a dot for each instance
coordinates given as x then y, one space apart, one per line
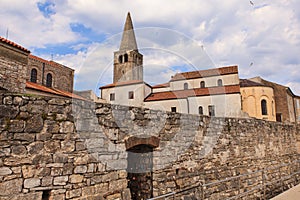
128 62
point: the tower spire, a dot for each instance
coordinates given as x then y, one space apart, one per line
128 41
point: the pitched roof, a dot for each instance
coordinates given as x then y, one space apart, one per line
180 94
249 83
128 41
163 85
51 63
6 41
123 84
54 91
205 73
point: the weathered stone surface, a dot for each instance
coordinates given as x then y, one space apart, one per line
60 180
32 182
5 171
81 169
34 124
66 127
8 111
28 137
16 126
73 193
67 146
75 178
19 150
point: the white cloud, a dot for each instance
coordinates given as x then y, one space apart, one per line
266 34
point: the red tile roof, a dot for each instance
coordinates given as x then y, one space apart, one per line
42 88
180 94
163 85
6 41
123 83
205 73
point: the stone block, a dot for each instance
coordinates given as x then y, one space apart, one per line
35 147
16 126
67 146
81 169
66 127
75 178
60 180
73 193
32 182
19 150
47 181
34 124
5 171
24 137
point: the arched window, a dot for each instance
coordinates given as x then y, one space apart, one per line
120 58
220 82
202 84
33 75
49 80
185 86
264 110
126 57
200 109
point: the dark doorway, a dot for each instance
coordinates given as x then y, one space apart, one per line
139 168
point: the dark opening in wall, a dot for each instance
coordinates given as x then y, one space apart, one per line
46 194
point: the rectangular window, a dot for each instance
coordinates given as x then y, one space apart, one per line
130 95
112 96
173 109
211 111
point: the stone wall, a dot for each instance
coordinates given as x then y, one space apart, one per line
13 63
55 148
62 76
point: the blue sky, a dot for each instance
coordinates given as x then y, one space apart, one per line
261 38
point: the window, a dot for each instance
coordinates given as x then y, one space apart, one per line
112 96
278 117
173 109
220 82
211 110
49 80
264 110
130 95
33 75
120 59
200 109
202 84
126 57
185 86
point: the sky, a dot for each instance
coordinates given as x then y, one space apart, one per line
262 37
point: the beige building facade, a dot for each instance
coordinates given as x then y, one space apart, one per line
258 100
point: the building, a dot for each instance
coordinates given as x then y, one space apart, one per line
22 72
258 100
286 102
214 92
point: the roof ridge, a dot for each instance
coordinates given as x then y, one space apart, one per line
4 40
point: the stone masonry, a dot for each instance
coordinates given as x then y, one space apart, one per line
56 148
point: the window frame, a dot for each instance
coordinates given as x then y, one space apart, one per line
49 81
220 82
173 109
185 86
130 95
264 107
112 96
33 77
212 110
200 108
202 84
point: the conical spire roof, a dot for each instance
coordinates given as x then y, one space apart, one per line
128 41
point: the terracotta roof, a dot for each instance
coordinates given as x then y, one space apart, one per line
6 41
180 94
205 73
42 88
248 83
123 83
163 85
51 63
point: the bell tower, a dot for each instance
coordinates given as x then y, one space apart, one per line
128 62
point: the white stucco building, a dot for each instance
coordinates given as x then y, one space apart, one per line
214 92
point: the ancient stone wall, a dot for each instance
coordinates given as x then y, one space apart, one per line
13 63
53 148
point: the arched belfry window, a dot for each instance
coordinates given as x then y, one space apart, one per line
202 84
185 86
200 109
120 59
220 82
33 75
126 57
49 80
264 110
